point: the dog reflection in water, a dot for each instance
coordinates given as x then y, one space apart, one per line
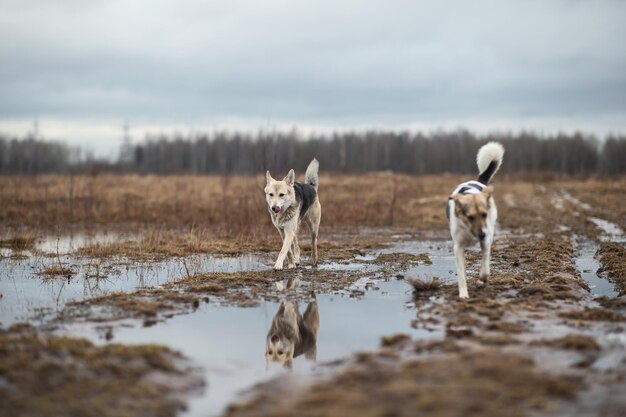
292 334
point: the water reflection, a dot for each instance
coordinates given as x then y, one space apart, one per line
292 334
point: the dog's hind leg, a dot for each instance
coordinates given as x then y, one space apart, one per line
314 227
484 266
459 252
311 320
295 249
311 317
313 221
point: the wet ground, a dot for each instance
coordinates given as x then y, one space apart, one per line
548 310
29 293
229 341
589 266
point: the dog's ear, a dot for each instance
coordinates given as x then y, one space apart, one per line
268 177
488 191
290 178
459 205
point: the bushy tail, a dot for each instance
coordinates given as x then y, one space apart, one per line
310 177
489 159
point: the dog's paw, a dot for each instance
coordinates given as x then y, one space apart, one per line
278 267
463 295
291 265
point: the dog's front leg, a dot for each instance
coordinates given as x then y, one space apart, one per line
459 252
290 257
484 266
287 240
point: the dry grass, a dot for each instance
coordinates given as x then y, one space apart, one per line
605 196
420 286
179 215
18 242
235 203
54 271
156 244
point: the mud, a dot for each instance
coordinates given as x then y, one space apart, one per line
51 375
612 257
471 384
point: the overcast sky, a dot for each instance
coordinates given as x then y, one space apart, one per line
83 67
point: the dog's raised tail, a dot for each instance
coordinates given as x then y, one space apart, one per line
311 175
489 159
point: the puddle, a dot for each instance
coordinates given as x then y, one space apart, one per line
27 295
588 266
229 342
611 231
64 244
351 266
441 255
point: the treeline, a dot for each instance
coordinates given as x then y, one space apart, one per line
34 156
225 153
404 152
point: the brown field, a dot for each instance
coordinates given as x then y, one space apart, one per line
177 215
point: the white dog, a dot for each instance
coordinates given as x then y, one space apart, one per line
289 202
472 213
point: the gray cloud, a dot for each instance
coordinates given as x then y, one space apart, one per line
324 62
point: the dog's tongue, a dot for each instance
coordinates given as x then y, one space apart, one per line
274 339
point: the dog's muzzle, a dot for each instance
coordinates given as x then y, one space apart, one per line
276 209
481 235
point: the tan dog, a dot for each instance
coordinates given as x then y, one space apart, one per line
292 334
472 214
289 202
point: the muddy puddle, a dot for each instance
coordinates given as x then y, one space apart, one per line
588 266
586 258
442 264
610 231
68 243
229 342
27 293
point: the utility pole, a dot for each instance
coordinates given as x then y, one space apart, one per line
36 128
